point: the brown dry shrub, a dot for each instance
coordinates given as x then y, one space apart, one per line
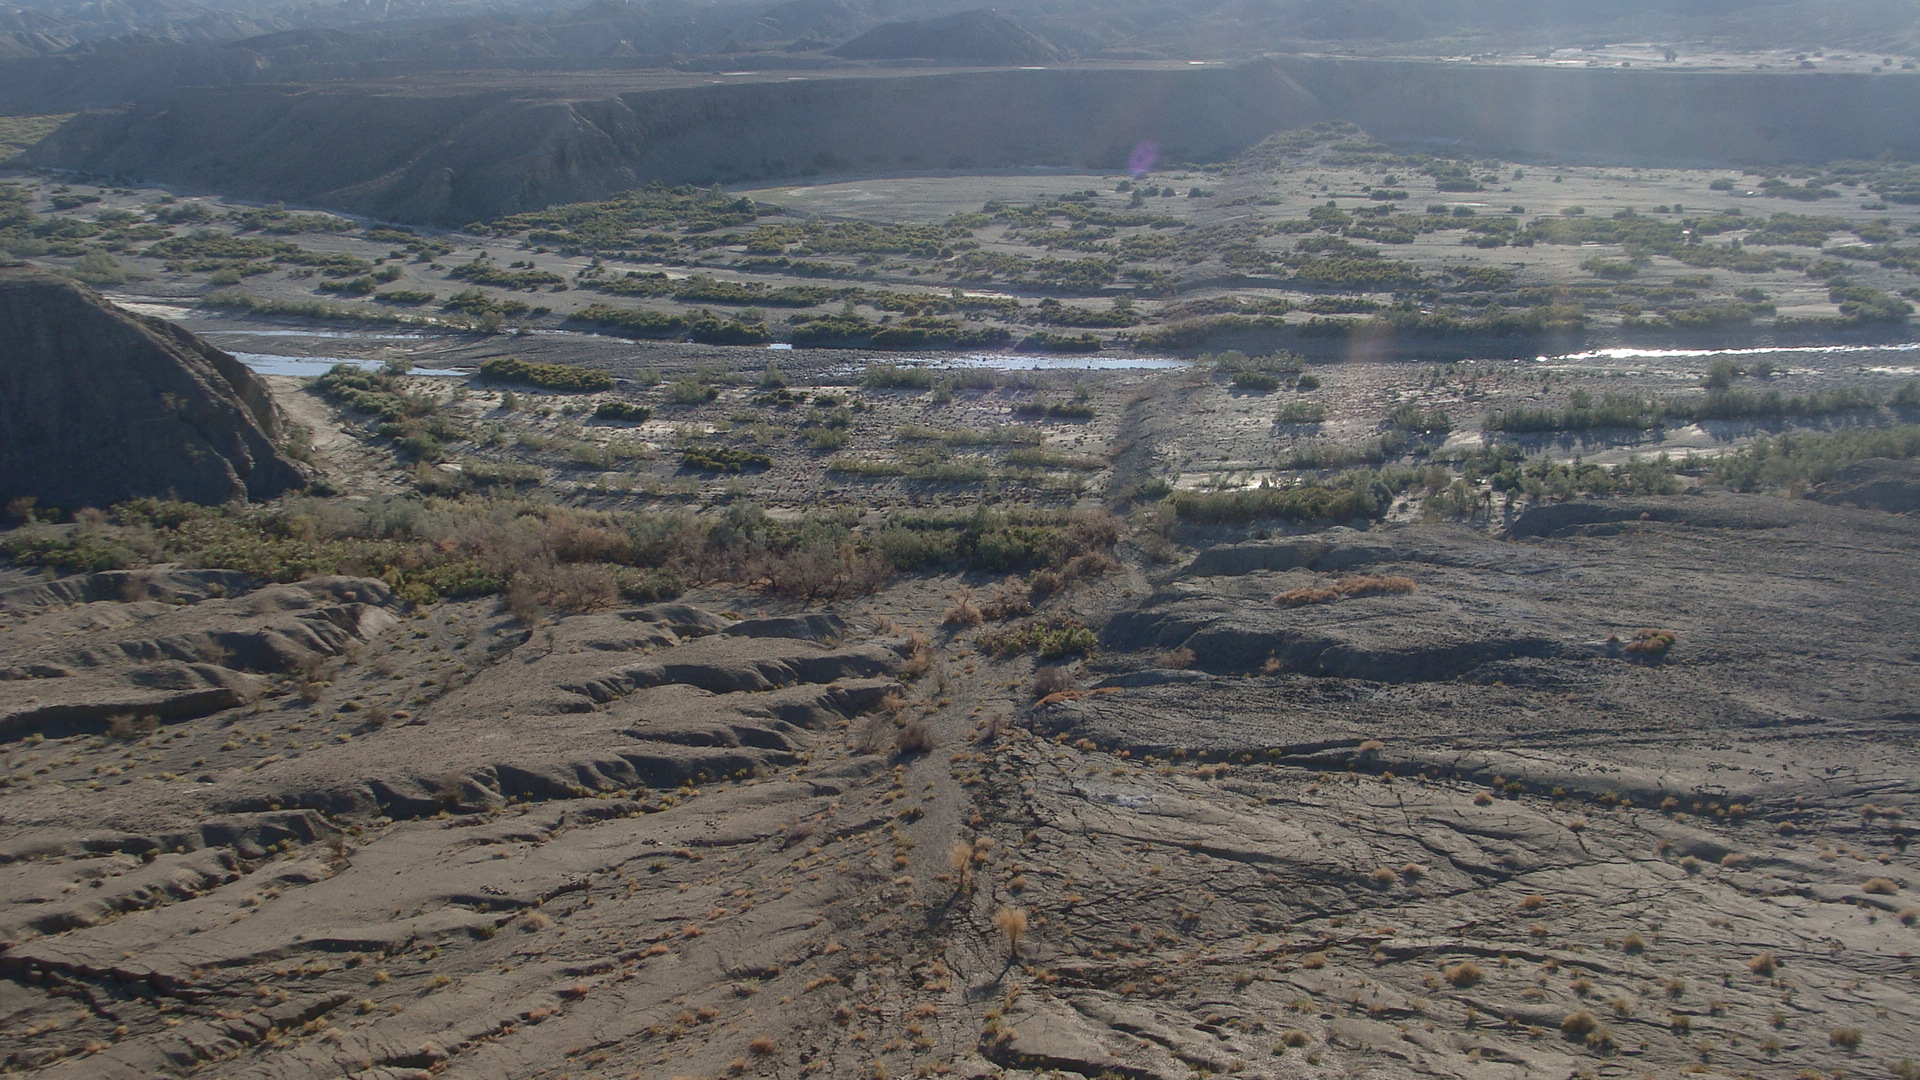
1175 658
1880 886
1346 587
875 735
914 737
1011 600
1578 1024
919 656
1052 679
963 611
1764 964
574 587
1650 642
1464 974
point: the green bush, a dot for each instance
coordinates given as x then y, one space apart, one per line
724 459
690 392
546 376
408 297
622 410
1302 412
1048 341
1058 410
1052 638
1310 502
1256 382
632 322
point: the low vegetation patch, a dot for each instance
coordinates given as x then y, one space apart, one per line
724 459
1051 638
546 376
1306 502
1346 587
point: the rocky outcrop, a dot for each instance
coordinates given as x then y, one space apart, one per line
98 405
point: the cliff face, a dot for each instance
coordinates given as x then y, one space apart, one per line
435 153
98 405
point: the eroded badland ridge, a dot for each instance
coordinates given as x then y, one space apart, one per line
452 150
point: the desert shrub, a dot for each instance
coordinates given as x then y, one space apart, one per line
1879 886
1464 974
622 410
1650 643
74 551
649 586
486 474
1301 412
690 392
913 737
994 541
547 376
1308 502
1578 1024
999 435
1356 585
709 329
824 438
1256 382
1059 410
898 377
404 297
723 459
632 322
1052 638
1048 341
1846 1038
1179 658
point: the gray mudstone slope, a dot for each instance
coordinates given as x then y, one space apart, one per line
99 405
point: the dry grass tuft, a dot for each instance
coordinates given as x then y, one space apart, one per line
1464 974
1764 964
1012 923
1880 886
1345 588
1578 1024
